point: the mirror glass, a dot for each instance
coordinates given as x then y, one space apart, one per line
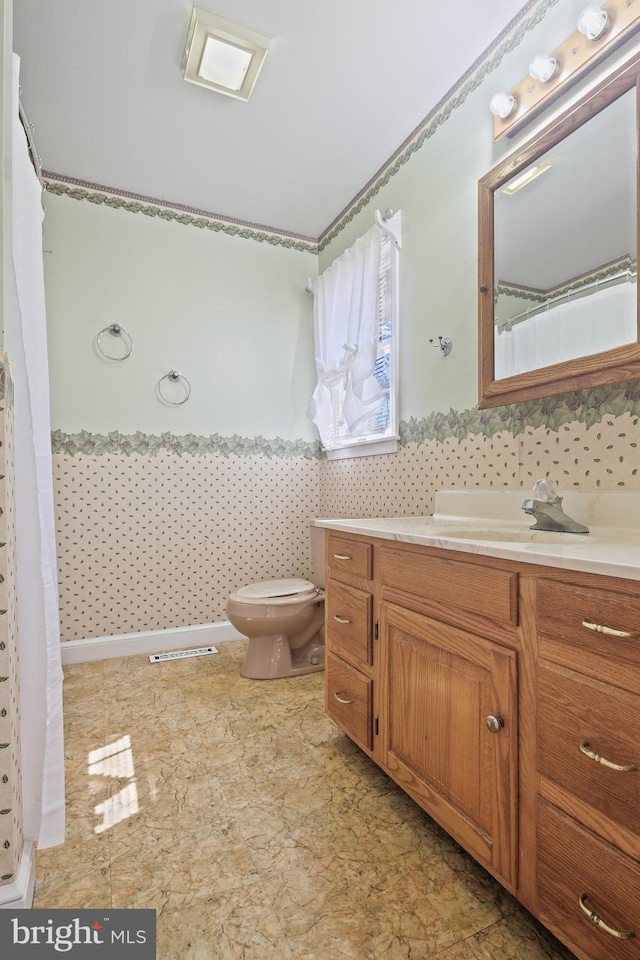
557 252
565 249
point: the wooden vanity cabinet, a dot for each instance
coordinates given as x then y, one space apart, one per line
505 699
349 638
588 757
434 704
448 704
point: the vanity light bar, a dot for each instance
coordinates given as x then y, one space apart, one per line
619 20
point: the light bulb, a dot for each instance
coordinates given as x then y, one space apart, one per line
543 67
502 105
593 21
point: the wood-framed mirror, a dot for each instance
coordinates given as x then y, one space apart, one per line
558 240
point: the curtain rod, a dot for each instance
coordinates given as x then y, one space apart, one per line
383 221
31 143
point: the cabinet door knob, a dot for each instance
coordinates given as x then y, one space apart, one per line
494 724
599 922
341 699
340 619
610 632
619 768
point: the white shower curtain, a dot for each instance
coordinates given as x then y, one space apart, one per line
40 669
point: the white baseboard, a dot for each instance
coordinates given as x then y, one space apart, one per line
150 641
19 894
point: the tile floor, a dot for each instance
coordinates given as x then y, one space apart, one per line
256 829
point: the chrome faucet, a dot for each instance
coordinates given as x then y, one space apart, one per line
547 510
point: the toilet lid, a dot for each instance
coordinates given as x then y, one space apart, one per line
294 587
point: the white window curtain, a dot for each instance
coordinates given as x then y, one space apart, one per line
346 330
40 670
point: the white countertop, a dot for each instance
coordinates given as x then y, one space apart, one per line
492 523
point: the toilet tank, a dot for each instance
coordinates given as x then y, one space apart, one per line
317 554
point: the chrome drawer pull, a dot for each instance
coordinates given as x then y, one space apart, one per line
340 619
599 922
341 699
610 632
342 556
626 768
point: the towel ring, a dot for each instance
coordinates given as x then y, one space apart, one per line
116 331
175 377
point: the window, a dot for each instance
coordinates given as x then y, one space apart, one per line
370 368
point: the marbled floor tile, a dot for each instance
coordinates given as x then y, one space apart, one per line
206 929
82 672
517 937
156 864
256 829
284 759
175 794
76 874
341 759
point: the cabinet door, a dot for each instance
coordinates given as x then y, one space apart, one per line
442 685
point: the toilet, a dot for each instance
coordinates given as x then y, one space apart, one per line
283 621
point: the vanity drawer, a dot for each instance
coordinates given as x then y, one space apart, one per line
606 721
596 632
348 623
349 558
349 700
575 866
451 583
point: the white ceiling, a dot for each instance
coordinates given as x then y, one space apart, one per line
345 82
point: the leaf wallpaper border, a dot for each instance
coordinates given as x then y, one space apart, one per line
512 35
588 407
186 444
6 383
63 186
528 18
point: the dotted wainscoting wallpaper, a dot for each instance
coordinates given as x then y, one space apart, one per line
405 484
604 456
150 541
154 542
10 773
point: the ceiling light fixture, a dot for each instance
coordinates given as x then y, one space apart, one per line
532 173
223 56
593 21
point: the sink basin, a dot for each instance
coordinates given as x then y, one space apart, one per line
515 536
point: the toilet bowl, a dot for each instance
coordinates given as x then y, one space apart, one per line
284 623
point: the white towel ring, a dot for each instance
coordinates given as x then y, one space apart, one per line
175 377
116 331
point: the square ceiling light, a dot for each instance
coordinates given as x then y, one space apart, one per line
222 55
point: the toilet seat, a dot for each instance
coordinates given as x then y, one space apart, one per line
293 590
